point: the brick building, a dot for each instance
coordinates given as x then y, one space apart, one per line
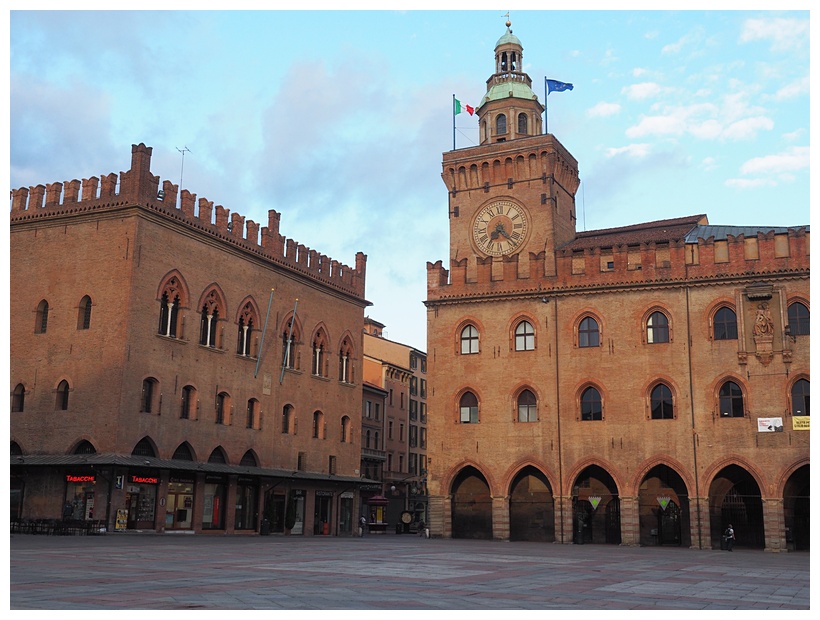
640 385
177 368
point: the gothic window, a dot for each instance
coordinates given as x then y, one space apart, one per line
85 447
168 315
798 319
345 362
731 400
588 334
290 336
500 125
243 339
591 405
207 325
223 409
800 398
725 327
41 321
319 352
62 396
150 395
657 328
248 460
661 402
527 407
469 340
144 447
522 123
84 313
188 403
252 419
18 398
183 453
468 406
218 456
287 419
524 337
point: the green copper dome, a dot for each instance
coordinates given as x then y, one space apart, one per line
508 37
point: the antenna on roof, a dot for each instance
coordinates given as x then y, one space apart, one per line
182 166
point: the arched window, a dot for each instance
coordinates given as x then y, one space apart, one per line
522 123
223 409
218 456
207 325
319 347
500 124
469 340
252 418
41 320
243 339
376 444
367 438
62 396
527 407
468 406
318 425
150 395
345 429
84 313
657 328
144 447
287 419
731 400
798 319
588 335
524 337
800 398
725 327
18 398
661 402
289 339
183 453
168 315
248 460
591 405
85 447
345 362
188 403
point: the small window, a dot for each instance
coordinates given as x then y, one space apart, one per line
591 406
469 408
725 324
500 124
345 429
469 340
84 313
223 408
588 335
18 398
62 396
657 328
144 448
661 403
527 407
251 420
731 400
287 419
41 321
798 319
318 423
187 403
522 124
149 395
800 398
524 337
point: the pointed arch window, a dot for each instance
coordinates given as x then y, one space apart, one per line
144 447
522 124
243 339
469 340
657 328
85 447
217 456
183 453
527 407
800 398
345 362
524 337
588 333
661 403
84 313
319 364
591 405
207 325
168 315
468 408
798 319
41 320
18 398
290 337
62 396
248 460
725 327
731 400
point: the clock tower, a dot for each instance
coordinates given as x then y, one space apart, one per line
512 197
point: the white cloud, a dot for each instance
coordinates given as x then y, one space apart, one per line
784 34
748 128
793 89
749 183
709 164
644 90
604 109
793 159
635 151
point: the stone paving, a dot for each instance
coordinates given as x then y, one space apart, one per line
390 572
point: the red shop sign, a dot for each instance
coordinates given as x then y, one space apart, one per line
73 478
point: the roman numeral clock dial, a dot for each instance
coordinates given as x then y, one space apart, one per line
500 228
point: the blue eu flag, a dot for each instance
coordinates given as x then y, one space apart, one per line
555 85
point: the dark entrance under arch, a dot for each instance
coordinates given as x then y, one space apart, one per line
734 497
796 509
663 508
472 506
596 508
532 507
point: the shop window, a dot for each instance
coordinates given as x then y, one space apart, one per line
84 313
62 396
725 327
18 398
588 334
731 400
591 405
524 337
468 406
469 340
800 398
527 407
661 403
657 328
41 320
798 319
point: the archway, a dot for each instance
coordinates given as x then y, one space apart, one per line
596 508
472 505
663 508
532 507
796 509
734 497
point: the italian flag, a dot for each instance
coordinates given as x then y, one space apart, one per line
462 107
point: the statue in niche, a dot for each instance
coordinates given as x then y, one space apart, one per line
764 326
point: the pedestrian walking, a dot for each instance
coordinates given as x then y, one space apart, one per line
362 524
729 537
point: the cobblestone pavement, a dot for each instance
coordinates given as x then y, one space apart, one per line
390 572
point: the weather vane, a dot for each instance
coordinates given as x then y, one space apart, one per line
507 15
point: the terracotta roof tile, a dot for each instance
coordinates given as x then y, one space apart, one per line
658 231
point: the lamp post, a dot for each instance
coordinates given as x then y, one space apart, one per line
407 491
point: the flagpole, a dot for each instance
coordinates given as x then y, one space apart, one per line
264 330
454 121
546 112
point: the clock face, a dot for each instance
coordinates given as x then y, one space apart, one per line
406 517
500 228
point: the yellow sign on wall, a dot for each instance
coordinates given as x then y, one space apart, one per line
800 422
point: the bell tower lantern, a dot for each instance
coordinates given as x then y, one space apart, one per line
509 109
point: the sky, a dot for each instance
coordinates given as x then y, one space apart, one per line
338 119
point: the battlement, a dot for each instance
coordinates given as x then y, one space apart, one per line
694 259
138 187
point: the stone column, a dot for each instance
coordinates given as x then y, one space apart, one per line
774 525
501 517
564 502
701 534
630 521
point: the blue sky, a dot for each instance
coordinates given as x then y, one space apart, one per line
338 120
